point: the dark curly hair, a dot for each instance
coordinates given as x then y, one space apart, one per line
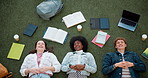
47 48
82 40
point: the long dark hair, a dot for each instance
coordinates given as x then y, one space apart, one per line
49 49
82 40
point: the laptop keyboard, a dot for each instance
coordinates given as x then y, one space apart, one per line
128 22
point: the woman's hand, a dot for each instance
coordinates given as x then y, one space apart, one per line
78 67
44 69
33 70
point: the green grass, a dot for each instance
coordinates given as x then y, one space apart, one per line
15 16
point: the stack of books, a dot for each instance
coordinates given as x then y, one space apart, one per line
100 39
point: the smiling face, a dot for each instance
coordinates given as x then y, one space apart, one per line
40 46
78 45
120 45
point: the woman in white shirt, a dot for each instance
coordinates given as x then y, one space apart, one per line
41 62
79 63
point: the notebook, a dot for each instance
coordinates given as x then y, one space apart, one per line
104 23
29 31
99 23
94 23
16 51
101 37
129 20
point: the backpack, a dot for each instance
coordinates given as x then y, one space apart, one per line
49 8
4 72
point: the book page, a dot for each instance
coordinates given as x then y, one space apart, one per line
73 19
101 37
50 33
60 36
68 20
78 17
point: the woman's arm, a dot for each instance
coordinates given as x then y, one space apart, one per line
56 66
91 66
47 68
65 63
24 67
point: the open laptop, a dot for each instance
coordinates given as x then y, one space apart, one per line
129 20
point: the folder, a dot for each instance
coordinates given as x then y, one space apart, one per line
16 51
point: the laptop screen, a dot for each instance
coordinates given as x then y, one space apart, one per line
130 16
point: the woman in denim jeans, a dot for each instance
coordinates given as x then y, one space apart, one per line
41 62
79 63
122 63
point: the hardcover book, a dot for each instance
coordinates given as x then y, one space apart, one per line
54 34
73 19
99 23
104 23
94 23
29 31
145 53
16 51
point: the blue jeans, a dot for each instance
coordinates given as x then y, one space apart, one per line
40 76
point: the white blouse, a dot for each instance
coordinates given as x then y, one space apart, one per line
48 59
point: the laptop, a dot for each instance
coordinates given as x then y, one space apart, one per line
129 20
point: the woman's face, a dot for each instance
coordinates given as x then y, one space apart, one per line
78 45
40 46
120 45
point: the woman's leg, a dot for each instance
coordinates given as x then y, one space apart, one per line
40 76
35 76
44 76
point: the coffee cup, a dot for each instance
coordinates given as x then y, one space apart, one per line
16 37
79 27
144 37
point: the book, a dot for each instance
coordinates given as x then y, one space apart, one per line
54 34
100 45
94 23
29 31
16 51
145 53
101 37
104 23
99 23
73 19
